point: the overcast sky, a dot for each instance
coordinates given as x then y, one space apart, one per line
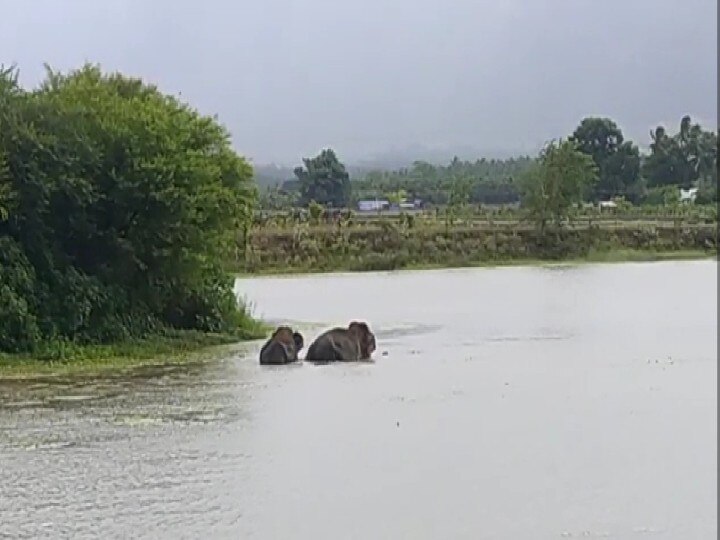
364 76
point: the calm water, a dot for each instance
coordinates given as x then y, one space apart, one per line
506 403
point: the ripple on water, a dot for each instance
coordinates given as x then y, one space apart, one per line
56 445
521 339
69 398
24 404
137 420
408 329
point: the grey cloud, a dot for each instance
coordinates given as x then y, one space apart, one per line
289 76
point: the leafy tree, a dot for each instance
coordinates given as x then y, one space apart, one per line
9 91
683 159
396 197
660 168
324 180
460 190
617 160
7 194
707 151
125 203
558 181
277 198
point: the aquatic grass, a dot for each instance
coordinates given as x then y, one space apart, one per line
640 255
161 347
170 347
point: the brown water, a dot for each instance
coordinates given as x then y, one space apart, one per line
510 403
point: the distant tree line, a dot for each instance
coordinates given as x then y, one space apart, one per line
683 160
490 181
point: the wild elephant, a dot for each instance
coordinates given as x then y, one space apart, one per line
351 344
282 347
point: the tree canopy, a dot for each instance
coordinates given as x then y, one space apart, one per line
556 182
686 158
324 180
617 160
118 205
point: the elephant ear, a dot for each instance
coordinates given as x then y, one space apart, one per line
299 341
365 337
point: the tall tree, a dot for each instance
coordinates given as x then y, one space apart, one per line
124 205
683 159
9 92
7 193
660 167
324 180
460 189
617 160
556 182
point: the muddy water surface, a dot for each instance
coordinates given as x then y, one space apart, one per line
503 403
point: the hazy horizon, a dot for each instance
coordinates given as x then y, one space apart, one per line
370 78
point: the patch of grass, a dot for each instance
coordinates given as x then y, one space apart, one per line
611 256
170 347
393 246
640 255
593 256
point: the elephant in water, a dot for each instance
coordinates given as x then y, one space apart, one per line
282 347
351 344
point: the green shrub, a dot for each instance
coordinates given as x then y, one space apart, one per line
119 207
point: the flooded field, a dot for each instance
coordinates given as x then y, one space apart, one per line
539 403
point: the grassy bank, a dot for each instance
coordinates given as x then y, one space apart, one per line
172 347
392 245
612 256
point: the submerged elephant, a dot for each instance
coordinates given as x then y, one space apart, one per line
282 347
351 344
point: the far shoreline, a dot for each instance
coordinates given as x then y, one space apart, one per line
600 257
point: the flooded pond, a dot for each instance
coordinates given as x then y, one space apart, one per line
564 402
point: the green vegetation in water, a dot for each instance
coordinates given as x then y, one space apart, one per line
171 347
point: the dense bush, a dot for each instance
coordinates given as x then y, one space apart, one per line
117 206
